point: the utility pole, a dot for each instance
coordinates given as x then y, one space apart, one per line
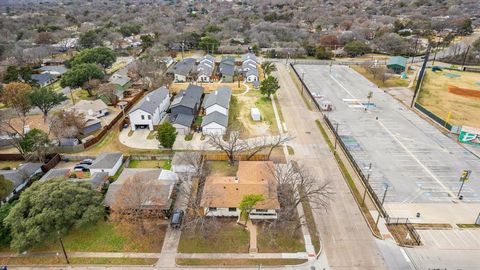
71 94
383 200
63 249
420 75
465 56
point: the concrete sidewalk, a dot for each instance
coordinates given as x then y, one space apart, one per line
297 255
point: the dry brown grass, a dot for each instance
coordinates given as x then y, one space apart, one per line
210 87
435 96
239 262
400 232
393 81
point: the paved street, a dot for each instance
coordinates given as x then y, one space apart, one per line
347 241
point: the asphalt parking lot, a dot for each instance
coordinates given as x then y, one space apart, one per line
410 157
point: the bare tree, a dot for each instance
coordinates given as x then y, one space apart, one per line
109 92
91 85
135 201
231 147
67 124
257 145
190 193
296 184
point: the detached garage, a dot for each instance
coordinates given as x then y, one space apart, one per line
107 162
215 123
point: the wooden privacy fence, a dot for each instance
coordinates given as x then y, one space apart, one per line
7 157
240 157
106 128
54 160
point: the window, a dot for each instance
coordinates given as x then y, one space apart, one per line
261 210
212 209
149 117
143 117
232 209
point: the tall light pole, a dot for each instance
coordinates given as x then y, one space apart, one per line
368 182
383 200
463 178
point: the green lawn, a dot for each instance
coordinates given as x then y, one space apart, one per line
109 237
222 168
149 164
10 164
56 86
54 260
393 81
239 262
234 114
230 238
279 241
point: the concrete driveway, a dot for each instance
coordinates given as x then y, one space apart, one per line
138 139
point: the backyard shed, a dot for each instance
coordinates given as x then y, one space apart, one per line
256 116
397 64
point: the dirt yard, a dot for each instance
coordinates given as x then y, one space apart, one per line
210 87
268 124
459 95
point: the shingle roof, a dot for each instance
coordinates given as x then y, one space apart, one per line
184 67
162 185
249 56
151 101
253 177
227 66
42 78
189 98
96 180
119 79
55 173
85 105
106 161
184 119
18 176
215 117
221 97
252 71
58 69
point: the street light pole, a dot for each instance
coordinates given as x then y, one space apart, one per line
368 181
383 200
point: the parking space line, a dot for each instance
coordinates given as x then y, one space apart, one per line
416 159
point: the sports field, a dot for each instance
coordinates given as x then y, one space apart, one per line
452 91
408 156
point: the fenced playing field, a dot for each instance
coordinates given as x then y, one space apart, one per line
455 92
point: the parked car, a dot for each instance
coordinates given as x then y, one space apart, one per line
177 219
87 161
81 168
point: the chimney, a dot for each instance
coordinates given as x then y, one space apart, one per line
216 92
148 98
236 180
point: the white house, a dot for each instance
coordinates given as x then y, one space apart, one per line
251 75
107 163
215 123
183 69
222 194
250 58
93 108
218 101
205 69
149 111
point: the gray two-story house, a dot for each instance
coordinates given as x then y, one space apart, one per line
185 107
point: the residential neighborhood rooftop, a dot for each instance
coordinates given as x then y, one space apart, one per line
221 97
253 177
215 117
106 160
152 100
